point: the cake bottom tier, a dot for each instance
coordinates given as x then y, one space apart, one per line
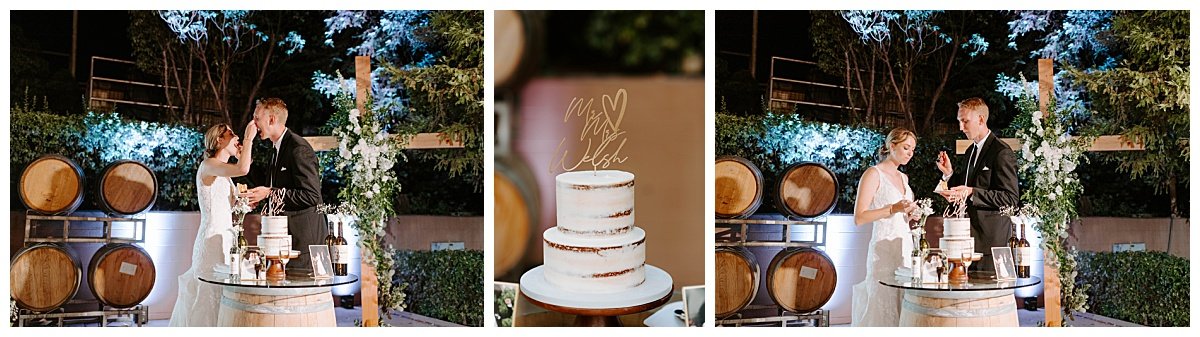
955 247
272 244
595 264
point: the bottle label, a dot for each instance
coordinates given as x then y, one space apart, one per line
341 254
1024 256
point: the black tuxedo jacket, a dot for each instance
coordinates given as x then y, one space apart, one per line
994 180
296 170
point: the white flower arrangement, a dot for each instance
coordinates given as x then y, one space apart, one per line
924 210
1049 157
241 207
366 156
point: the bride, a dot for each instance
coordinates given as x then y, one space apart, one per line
198 302
884 200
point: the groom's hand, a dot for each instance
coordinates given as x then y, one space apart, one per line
943 164
257 194
957 193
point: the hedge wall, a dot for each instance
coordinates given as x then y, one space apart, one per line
443 284
775 141
172 151
94 140
1148 288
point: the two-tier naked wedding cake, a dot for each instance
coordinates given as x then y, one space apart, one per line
956 237
274 236
595 248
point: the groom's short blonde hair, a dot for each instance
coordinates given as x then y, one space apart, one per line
975 105
274 107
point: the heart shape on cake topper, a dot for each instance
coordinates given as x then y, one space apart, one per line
600 130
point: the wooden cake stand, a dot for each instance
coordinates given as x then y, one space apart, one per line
598 309
958 269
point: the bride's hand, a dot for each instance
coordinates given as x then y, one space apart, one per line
251 132
900 206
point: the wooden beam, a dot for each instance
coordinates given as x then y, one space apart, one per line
1101 144
1053 286
370 282
1045 84
419 141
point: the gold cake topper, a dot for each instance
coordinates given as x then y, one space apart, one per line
601 129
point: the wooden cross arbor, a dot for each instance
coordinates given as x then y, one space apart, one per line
362 76
1052 287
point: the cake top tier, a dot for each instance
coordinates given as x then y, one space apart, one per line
595 179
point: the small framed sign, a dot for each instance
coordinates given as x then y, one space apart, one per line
693 305
506 303
252 264
1002 258
322 264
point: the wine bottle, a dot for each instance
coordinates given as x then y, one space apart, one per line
1013 242
331 241
340 263
235 266
1025 257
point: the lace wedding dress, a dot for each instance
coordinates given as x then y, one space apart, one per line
198 302
875 304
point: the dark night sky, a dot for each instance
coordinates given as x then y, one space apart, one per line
101 33
780 33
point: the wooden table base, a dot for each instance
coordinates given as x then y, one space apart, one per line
607 317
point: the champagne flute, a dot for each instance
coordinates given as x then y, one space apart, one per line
966 261
284 255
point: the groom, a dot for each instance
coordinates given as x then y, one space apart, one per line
294 169
986 178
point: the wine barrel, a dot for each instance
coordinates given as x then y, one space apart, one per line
807 190
801 279
518 47
278 307
739 187
121 275
737 279
127 187
52 185
516 213
959 308
43 277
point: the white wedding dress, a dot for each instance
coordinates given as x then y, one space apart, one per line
875 304
198 302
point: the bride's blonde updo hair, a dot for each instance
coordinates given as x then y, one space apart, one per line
212 139
897 136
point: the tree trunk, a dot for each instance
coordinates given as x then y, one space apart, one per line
1172 180
937 93
262 74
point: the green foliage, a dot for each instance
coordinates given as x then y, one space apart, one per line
447 96
1047 161
1146 96
94 140
444 284
658 39
366 157
775 141
1148 288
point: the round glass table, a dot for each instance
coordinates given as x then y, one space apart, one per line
299 300
982 301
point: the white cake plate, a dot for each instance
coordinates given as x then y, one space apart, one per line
654 292
658 284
